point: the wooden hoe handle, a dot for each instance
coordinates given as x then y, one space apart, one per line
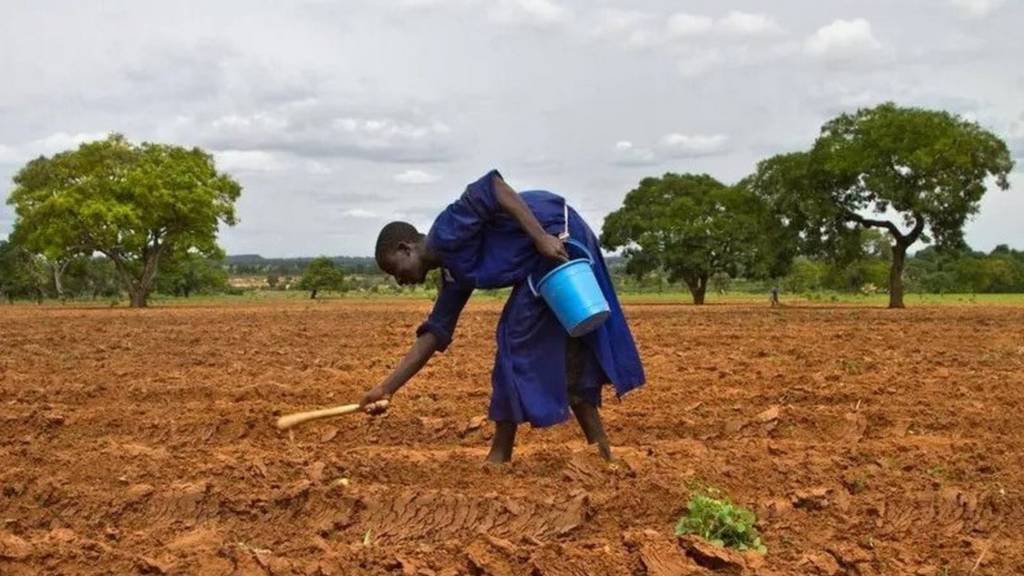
286 422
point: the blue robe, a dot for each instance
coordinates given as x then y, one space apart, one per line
481 246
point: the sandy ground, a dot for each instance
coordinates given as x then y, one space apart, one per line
869 442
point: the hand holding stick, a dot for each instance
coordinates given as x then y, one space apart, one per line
286 422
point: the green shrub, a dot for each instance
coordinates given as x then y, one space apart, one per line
720 522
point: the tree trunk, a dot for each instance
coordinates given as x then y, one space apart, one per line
138 297
138 290
58 286
899 251
899 257
698 286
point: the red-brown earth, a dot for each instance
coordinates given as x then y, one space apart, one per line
869 441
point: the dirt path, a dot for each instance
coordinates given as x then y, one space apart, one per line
869 441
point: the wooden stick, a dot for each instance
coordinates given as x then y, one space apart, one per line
286 422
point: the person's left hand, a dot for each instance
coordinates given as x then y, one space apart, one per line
375 401
552 247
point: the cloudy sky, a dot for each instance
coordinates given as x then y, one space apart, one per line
337 116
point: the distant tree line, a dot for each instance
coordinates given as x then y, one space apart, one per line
930 270
255 265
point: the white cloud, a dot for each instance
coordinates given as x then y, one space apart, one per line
532 12
8 155
682 24
315 130
540 13
631 28
670 146
317 167
421 3
749 24
735 23
700 61
843 40
414 176
1016 141
626 154
61 141
358 213
677 145
635 28
47 146
977 8
247 161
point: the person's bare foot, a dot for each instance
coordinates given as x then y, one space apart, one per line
589 420
503 442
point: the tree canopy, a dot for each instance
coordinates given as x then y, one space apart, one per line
134 203
19 273
693 226
916 174
184 273
322 274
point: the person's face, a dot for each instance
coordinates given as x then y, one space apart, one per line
406 265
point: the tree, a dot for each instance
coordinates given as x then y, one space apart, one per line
134 203
805 275
93 277
19 273
693 227
917 174
322 274
186 273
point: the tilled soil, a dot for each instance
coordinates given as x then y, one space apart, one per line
868 441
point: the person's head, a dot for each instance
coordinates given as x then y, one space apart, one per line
401 252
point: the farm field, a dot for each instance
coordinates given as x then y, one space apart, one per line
868 441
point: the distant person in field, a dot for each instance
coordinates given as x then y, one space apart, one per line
775 296
493 237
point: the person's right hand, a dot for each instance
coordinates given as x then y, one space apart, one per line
551 246
375 401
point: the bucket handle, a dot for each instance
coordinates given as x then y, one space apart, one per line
574 242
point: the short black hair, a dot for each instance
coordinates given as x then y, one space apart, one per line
391 236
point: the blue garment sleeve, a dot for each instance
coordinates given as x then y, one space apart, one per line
480 195
442 319
463 219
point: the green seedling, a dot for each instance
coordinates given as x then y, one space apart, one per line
716 519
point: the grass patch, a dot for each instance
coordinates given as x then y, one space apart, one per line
713 517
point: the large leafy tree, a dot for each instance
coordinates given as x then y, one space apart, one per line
916 174
134 203
693 227
322 274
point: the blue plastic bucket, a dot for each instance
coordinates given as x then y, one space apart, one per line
573 294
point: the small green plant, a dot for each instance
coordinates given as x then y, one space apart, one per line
938 472
857 485
852 367
715 518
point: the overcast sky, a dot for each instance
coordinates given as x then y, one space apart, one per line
337 116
